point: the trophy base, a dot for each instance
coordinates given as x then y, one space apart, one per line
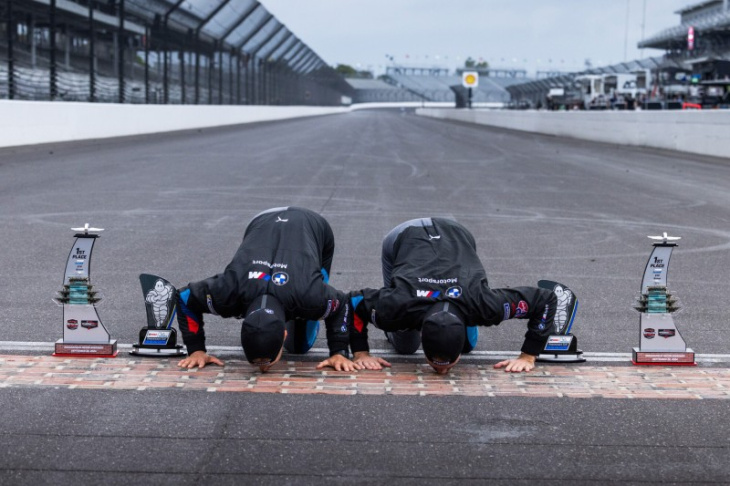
664 358
157 343
159 352
576 357
89 350
561 349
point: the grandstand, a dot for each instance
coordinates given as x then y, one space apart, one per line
158 51
710 22
435 84
659 80
438 84
377 91
695 70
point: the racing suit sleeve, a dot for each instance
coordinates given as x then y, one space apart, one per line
385 308
190 321
362 302
336 320
532 303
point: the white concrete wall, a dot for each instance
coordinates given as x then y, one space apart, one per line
704 132
35 122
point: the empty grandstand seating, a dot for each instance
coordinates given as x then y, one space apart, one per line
376 91
438 88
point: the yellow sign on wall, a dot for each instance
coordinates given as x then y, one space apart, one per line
470 79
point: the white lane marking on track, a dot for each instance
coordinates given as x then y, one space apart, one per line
386 353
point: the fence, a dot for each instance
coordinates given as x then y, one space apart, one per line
158 51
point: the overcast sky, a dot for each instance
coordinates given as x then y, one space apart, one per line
546 35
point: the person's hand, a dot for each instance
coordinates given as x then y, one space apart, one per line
369 362
199 359
339 363
524 362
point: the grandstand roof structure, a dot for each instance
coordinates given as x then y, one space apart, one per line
239 26
708 18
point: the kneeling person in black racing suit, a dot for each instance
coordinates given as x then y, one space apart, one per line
277 282
435 291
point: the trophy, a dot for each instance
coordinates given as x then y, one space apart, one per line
562 346
159 338
83 332
660 341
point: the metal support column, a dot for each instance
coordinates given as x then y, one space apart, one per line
52 68
11 60
230 77
33 46
238 78
122 40
92 47
251 78
181 58
220 75
211 67
147 65
165 53
197 69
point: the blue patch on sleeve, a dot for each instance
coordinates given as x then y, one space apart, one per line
472 334
355 301
185 295
325 275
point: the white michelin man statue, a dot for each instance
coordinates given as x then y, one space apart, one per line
158 297
561 312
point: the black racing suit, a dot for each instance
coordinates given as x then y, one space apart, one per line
434 259
284 254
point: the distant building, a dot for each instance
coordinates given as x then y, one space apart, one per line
701 42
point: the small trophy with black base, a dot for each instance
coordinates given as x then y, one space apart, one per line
562 346
159 338
660 342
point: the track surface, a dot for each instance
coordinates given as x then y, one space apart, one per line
539 207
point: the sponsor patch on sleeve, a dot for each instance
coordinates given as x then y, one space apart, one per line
522 309
209 301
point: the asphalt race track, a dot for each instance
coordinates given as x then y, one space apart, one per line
539 207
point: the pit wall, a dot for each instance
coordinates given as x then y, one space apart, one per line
698 132
37 122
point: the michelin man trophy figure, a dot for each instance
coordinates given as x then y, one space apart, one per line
660 342
159 338
83 332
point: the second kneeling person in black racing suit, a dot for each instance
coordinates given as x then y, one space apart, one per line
435 289
277 283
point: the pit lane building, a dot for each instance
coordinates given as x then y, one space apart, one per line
696 55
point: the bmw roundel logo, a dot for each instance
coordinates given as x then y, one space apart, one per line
280 278
454 292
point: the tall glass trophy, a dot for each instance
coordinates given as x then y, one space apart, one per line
660 342
83 332
159 338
